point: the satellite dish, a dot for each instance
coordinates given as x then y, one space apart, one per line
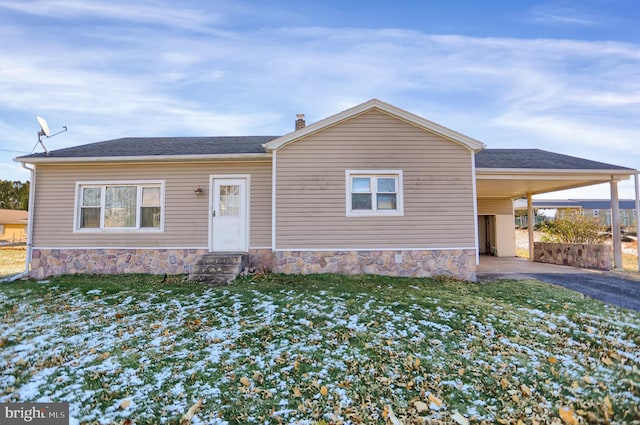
44 126
44 131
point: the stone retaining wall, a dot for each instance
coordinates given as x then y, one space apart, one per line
459 264
577 255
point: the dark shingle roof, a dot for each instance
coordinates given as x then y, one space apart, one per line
537 159
226 145
158 146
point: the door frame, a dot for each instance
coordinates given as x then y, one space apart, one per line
247 203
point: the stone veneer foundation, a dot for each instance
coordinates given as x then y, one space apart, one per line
459 264
597 257
52 262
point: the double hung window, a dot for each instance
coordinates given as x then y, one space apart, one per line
119 206
377 192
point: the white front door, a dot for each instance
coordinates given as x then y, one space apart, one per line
229 217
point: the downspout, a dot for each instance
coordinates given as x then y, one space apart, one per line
32 206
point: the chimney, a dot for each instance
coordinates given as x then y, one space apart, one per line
300 121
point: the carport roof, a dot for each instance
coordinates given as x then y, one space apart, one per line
537 159
514 173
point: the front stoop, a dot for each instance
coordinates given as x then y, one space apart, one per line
219 268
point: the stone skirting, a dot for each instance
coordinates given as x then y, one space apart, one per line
52 262
260 260
459 264
577 255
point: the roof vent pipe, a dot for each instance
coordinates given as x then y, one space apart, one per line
300 121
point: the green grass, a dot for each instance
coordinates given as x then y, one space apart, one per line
318 349
12 261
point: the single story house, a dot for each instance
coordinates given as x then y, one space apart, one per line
600 208
13 226
372 189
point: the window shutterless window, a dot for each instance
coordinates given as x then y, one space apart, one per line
374 192
119 206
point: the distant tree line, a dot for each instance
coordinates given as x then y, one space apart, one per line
14 195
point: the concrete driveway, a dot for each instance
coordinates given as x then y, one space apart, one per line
620 289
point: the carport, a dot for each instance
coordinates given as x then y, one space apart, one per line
503 175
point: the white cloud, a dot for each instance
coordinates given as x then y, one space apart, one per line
567 94
149 12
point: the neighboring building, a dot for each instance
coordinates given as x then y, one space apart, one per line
373 189
600 208
13 226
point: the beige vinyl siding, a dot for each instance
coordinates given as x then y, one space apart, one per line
186 216
493 206
311 191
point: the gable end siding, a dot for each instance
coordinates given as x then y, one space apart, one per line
310 188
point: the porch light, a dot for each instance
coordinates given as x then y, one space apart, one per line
199 191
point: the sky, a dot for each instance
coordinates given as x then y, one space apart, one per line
557 75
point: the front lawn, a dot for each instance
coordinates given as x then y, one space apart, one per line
318 350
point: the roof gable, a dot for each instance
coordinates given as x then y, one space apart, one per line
466 141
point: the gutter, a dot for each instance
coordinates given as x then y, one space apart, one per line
148 158
32 206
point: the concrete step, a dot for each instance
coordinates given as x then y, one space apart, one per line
222 259
215 268
218 268
213 279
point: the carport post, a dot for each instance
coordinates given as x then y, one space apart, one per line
637 218
531 223
615 226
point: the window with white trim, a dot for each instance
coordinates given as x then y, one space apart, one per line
119 206
374 192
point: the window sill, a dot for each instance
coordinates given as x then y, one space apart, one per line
375 214
103 231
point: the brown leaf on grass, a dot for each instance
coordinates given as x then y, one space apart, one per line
567 416
526 391
435 400
245 381
504 383
297 393
420 406
606 360
392 417
607 408
324 391
186 418
124 404
459 419
552 360
156 326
